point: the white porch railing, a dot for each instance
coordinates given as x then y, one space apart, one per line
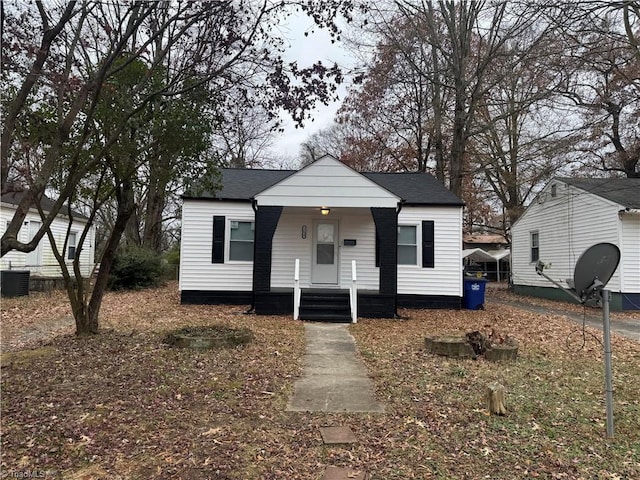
296 290
353 293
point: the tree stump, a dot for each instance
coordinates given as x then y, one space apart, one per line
207 337
496 399
502 351
449 346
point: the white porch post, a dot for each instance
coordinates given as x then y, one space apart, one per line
296 290
353 293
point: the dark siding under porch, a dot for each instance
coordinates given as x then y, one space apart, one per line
215 297
429 301
280 301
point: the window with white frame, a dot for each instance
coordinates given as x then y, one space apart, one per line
407 245
535 247
71 246
241 241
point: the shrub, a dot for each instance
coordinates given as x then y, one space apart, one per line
135 267
171 259
172 256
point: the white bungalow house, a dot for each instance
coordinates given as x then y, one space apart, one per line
568 216
41 262
324 230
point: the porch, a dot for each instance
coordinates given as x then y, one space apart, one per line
280 301
301 249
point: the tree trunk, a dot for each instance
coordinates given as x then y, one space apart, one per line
87 320
458 144
156 199
437 118
152 238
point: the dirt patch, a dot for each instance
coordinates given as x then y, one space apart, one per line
34 319
18 337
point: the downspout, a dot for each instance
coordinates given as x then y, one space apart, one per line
395 313
254 206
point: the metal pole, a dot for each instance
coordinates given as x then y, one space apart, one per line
607 361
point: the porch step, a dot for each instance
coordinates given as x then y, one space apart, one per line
325 306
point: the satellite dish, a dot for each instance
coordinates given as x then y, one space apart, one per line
594 268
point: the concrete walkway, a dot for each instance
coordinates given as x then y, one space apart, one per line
334 379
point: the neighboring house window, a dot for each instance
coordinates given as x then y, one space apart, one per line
407 245
535 247
71 246
554 190
241 241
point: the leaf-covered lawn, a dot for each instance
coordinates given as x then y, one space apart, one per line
125 405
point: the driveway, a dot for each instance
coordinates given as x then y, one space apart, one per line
627 326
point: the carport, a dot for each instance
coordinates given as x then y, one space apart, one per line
479 255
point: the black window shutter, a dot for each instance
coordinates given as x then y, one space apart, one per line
377 248
428 244
217 252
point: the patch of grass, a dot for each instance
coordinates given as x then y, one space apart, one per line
25 357
457 371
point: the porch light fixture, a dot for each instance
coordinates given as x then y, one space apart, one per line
325 211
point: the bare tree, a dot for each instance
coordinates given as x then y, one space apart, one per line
524 130
606 85
244 134
436 64
327 141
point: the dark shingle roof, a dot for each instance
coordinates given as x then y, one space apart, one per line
625 191
416 188
244 184
413 188
14 198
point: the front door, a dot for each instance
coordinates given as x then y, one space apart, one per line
324 269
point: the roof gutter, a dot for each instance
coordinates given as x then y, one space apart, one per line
629 211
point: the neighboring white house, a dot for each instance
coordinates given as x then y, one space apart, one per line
41 262
568 216
403 230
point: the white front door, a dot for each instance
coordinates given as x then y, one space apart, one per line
324 269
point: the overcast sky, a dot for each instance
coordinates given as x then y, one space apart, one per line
306 51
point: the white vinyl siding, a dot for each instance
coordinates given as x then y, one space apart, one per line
289 244
42 262
293 239
567 224
630 249
446 276
196 270
327 183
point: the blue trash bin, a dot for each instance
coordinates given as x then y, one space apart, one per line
473 298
